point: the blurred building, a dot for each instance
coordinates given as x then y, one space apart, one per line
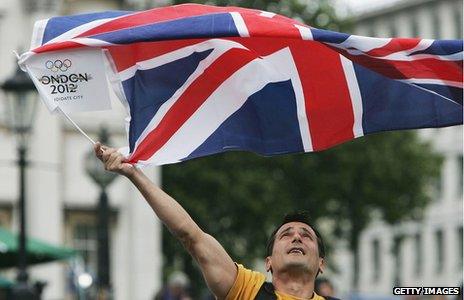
61 198
429 252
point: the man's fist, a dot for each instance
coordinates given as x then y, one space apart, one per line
113 160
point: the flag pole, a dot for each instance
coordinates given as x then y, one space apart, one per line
75 125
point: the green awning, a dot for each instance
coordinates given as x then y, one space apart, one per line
37 251
5 283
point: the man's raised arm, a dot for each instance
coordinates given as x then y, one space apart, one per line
218 268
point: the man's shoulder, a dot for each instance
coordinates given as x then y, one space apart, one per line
246 285
249 273
262 289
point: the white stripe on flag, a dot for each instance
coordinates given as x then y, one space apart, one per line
362 43
240 24
355 95
70 34
433 81
300 101
405 54
267 14
422 45
38 33
450 57
229 97
219 46
305 32
92 42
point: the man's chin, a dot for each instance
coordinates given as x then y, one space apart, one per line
297 264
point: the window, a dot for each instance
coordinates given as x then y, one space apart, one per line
392 28
376 259
81 234
2 113
418 257
414 26
397 241
371 29
85 242
440 263
460 247
458 22
436 24
437 189
460 178
5 217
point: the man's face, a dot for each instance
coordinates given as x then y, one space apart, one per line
295 249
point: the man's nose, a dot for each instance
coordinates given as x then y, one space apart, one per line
296 237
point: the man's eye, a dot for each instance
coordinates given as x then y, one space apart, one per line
307 235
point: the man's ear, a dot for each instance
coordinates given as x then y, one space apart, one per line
268 264
321 265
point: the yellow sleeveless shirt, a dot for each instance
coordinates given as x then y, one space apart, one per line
248 283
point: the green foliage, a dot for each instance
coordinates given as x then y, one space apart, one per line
238 197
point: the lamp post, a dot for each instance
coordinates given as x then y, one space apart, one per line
102 178
20 109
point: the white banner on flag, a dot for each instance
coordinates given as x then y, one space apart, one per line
74 81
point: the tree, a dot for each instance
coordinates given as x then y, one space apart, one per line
386 174
320 14
239 197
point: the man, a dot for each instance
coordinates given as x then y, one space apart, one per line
295 250
324 287
176 289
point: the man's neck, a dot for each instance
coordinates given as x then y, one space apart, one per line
298 285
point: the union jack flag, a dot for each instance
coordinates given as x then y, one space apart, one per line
199 80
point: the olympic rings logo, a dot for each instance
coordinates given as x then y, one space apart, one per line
56 65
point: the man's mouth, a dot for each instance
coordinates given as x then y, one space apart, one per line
296 250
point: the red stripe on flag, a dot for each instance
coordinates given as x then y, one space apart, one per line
58 46
277 26
125 56
194 96
395 45
327 98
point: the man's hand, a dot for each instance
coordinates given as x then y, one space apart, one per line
113 160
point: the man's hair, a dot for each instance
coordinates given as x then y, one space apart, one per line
302 217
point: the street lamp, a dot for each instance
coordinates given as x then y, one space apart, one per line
20 109
103 179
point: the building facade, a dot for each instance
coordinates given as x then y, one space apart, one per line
61 197
429 252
